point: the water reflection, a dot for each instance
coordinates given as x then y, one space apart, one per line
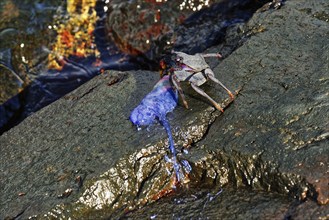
74 33
22 33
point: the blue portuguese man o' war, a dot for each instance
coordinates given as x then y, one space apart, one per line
154 107
179 67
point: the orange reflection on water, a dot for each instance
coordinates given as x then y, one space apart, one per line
74 36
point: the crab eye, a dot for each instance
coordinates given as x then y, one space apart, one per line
178 59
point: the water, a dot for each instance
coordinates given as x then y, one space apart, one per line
32 78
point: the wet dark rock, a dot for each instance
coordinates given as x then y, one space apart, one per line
81 157
283 112
212 26
152 28
138 26
211 204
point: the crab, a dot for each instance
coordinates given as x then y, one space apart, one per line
195 70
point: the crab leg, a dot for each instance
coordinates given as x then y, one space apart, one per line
210 74
201 92
211 55
176 83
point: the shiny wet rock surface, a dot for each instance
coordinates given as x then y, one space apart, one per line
80 157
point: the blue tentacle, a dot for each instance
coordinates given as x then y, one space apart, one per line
177 166
155 106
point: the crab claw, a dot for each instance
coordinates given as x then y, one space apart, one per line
231 95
